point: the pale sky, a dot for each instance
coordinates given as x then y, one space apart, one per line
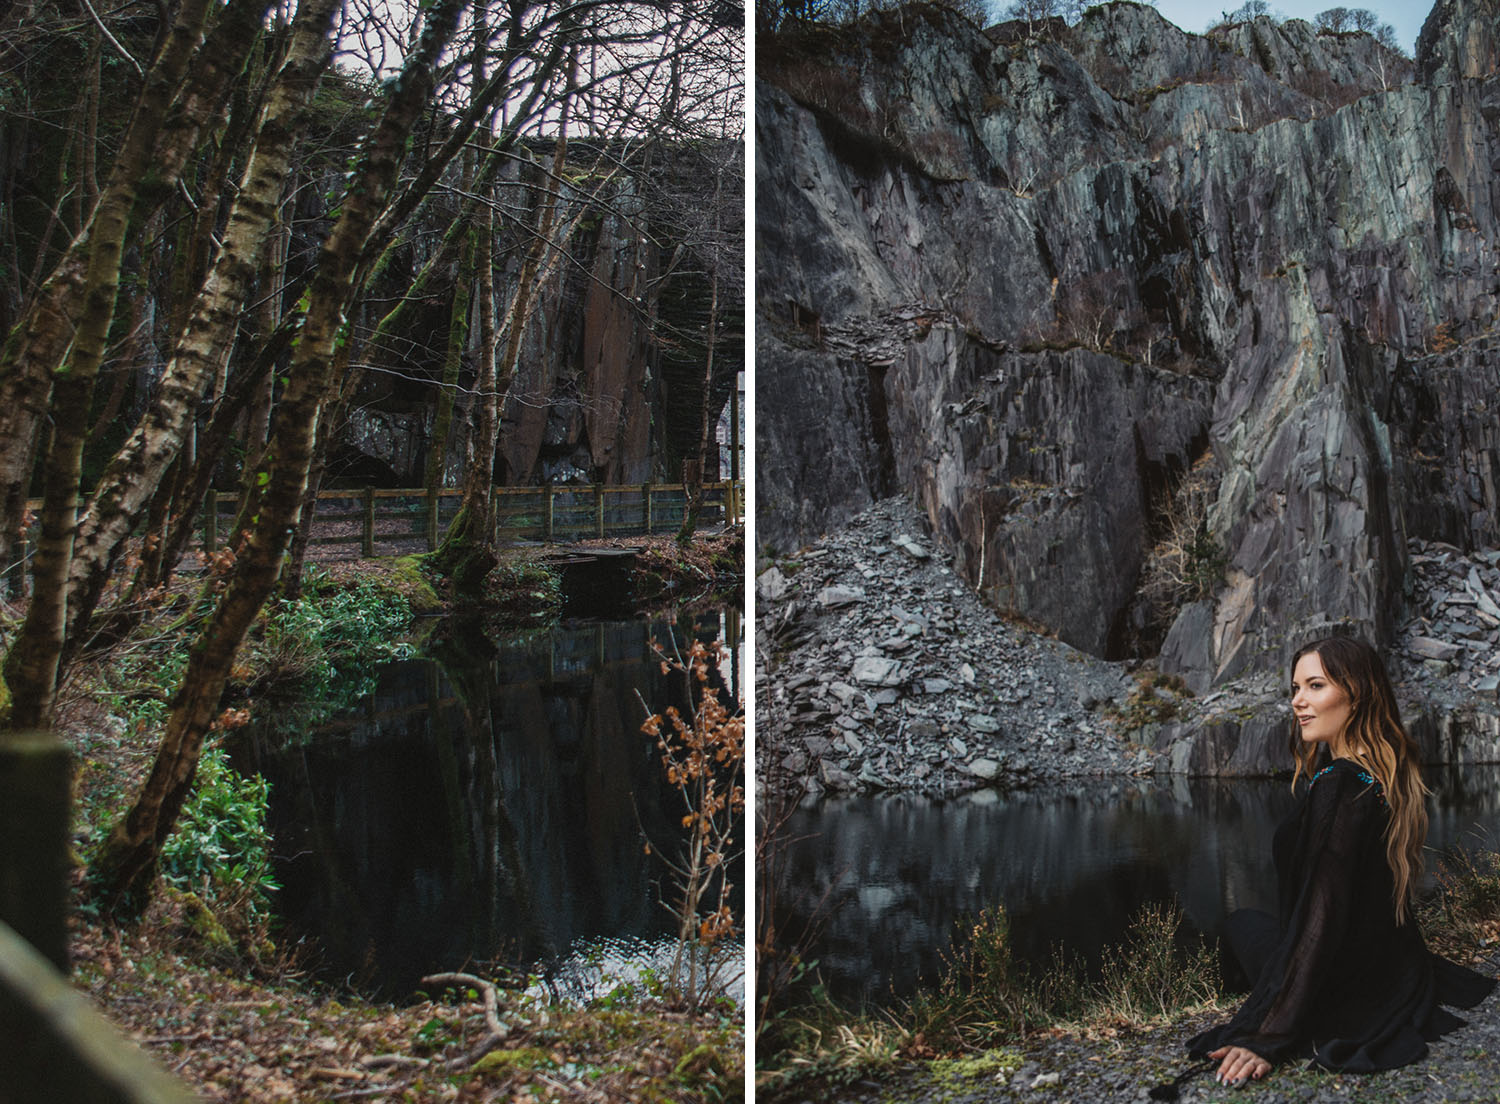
1406 18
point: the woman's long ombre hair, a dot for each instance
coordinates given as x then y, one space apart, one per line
1375 735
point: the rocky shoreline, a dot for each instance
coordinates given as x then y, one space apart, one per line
881 669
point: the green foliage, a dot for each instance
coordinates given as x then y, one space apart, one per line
316 656
808 1055
304 643
138 685
1204 569
520 591
221 848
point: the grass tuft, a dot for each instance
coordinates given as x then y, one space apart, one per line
986 1002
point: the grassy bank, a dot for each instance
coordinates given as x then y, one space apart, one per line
258 1034
713 565
986 1016
984 1006
208 982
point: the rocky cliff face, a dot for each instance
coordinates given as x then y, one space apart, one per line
594 391
1037 283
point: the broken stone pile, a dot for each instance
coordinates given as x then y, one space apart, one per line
1452 641
880 669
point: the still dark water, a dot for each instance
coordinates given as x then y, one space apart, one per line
1070 868
487 805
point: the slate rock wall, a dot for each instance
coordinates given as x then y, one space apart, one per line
1131 245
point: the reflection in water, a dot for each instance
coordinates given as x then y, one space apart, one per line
898 871
484 805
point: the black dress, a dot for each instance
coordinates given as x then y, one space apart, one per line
1341 981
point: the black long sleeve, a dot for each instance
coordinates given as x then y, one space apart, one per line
1345 983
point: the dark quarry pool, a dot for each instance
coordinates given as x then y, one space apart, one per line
894 874
486 807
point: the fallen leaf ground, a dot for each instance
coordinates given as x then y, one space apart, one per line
233 1036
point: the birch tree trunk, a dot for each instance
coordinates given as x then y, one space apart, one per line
692 470
468 550
207 339
124 867
31 665
453 359
184 88
468 553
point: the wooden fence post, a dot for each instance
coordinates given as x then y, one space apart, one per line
547 523
494 515
599 510
432 520
15 573
54 1045
734 433
648 509
367 541
211 522
35 789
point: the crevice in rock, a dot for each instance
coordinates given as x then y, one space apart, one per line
1180 558
879 415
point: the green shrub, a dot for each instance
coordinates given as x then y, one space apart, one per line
221 848
304 643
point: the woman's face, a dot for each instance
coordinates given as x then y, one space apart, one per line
1320 706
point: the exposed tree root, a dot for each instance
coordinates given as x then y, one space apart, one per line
498 1028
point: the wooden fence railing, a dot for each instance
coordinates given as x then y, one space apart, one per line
382 522
373 521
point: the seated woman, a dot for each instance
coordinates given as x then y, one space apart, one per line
1341 974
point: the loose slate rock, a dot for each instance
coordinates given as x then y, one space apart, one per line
834 597
1428 648
773 585
986 769
876 671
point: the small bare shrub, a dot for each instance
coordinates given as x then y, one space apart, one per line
1466 908
1187 561
703 755
1149 976
1090 309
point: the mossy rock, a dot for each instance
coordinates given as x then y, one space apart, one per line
521 1058
988 1063
202 924
522 591
409 579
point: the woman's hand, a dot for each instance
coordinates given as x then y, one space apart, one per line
1239 1064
